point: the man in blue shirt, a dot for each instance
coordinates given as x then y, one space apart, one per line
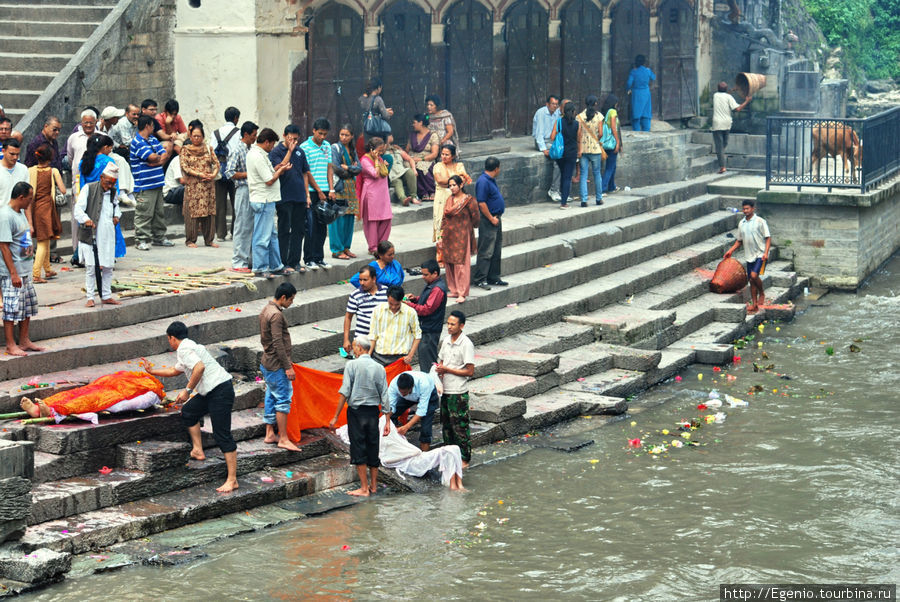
291 209
414 389
318 155
541 128
147 157
490 229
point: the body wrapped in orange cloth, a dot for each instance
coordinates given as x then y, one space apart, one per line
105 393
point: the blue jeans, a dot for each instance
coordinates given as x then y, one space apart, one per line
278 393
243 228
266 253
596 161
609 174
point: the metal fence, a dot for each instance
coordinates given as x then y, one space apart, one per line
833 153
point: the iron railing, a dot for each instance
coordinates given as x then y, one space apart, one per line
832 153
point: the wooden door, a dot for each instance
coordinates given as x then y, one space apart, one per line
336 67
404 63
582 29
526 64
469 40
677 91
630 37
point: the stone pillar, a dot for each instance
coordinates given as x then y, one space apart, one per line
16 472
498 84
437 79
554 57
606 49
371 53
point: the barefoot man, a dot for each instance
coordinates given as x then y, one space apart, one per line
276 365
753 233
19 298
363 389
212 392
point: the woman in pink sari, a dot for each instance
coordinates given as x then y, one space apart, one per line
374 195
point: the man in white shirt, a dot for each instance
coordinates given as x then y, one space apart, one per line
265 191
723 104
456 365
97 214
214 396
173 184
753 233
230 136
11 171
76 144
541 128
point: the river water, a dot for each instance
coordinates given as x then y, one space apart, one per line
798 487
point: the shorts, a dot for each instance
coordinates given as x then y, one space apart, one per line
18 303
754 266
362 428
218 404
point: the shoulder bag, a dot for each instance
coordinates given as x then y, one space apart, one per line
556 149
375 125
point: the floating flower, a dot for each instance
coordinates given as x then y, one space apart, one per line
500 502
701 406
345 547
677 443
685 435
716 369
481 526
665 431
759 344
700 376
633 423
594 461
678 379
778 329
736 359
710 418
634 443
761 327
105 470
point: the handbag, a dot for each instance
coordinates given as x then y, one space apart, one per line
61 200
556 149
375 124
326 212
607 141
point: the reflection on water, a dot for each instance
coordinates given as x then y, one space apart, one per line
799 487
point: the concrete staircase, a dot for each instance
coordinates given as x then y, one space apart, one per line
602 303
37 39
745 153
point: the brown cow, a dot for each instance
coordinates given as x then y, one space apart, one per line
834 139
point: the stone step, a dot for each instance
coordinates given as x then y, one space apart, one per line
59 499
513 385
672 361
529 284
495 408
615 383
521 362
19 98
739 144
101 528
745 186
747 163
703 165
40 45
15 61
48 29
561 405
152 456
623 324
30 81
61 11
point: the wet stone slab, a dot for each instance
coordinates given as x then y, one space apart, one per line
495 408
34 566
152 456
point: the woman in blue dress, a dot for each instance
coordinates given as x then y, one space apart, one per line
93 162
388 270
638 86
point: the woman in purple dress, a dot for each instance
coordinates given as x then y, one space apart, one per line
423 147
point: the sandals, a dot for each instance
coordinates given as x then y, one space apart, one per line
406 201
341 255
349 254
38 280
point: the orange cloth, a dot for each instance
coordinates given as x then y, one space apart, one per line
316 397
104 392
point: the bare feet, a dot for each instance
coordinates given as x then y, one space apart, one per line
271 439
28 406
191 245
752 309
465 464
460 299
359 492
27 345
228 486
197 454
90 303
111 301
286 443
212 244
14 350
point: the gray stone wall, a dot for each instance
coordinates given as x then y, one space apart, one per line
834 239
16 470
144 68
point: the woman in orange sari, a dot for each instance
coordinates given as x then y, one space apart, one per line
460 218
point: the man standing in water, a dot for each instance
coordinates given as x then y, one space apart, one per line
214 396
456 365
363 389
753 233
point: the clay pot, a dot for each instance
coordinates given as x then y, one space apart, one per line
748 84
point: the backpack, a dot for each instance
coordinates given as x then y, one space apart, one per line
221 149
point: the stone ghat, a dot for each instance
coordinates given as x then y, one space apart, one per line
602 303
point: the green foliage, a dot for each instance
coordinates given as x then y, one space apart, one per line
867 30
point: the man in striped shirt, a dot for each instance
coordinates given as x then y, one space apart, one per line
395 331
147 157
318 155
362 303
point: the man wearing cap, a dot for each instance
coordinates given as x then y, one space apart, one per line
97 213
109 117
